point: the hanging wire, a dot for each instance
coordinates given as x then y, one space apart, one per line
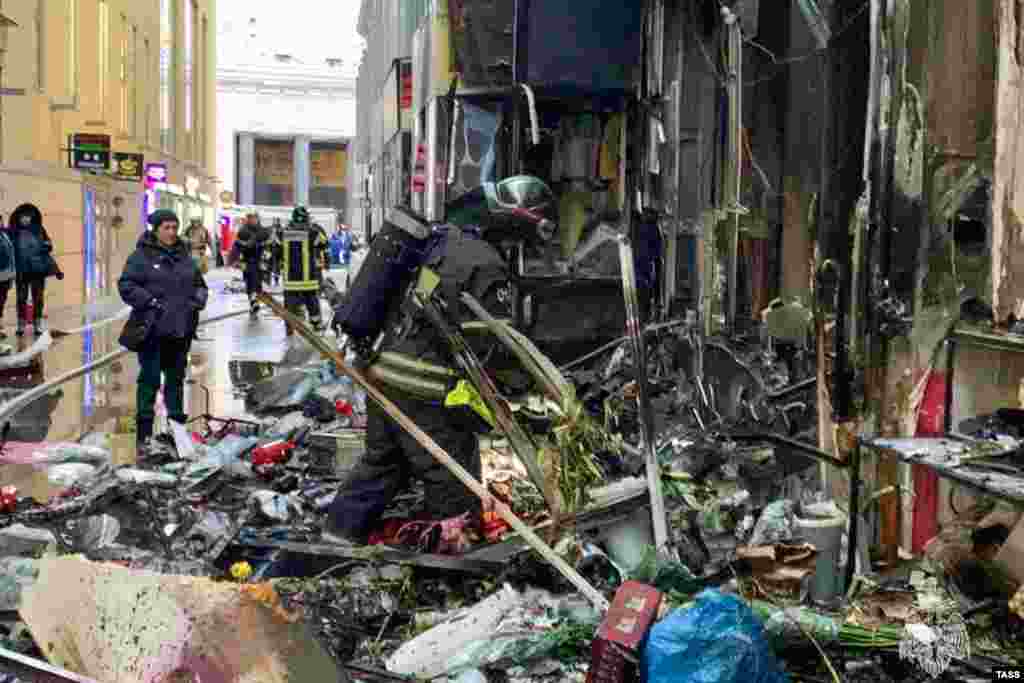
775 60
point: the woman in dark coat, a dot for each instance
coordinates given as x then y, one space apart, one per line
161 275
33 255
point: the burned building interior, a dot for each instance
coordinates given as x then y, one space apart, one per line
768 319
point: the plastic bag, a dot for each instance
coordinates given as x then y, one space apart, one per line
16 574
19 539
718 640
20 358
540 626
57 454
69 474
94 533
227 453
130 475
427 655
786 626
275 506
183 442
776 524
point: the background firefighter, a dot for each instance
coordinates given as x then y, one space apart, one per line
304 250
464 263
252 241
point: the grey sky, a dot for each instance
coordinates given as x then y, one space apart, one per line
309 30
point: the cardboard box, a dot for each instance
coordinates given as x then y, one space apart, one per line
615 653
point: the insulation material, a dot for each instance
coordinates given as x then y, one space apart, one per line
117 624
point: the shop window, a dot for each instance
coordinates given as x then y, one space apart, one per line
328 187
71 45
41 45
103 63
166 70
274 181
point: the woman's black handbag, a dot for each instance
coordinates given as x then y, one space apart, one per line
137 329
52 268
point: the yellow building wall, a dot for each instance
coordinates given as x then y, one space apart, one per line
60 100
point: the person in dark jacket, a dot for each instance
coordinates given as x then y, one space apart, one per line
8 270
161 275
252 241
33 255
463 263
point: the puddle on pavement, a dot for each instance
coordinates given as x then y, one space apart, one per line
229 357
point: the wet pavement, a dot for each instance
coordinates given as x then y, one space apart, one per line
228 353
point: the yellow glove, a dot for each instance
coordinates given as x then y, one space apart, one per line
465 394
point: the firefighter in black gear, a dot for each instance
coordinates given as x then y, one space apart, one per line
462 262
252 241
304 249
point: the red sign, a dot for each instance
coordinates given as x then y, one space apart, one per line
405 102
615 650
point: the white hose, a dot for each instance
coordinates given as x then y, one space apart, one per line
534 122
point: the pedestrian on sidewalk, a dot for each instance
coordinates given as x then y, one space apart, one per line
335 243
276 251
161 275
33 256
8 270
199 241
252 241
347 244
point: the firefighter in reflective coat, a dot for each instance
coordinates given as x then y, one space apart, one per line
417 372
304 248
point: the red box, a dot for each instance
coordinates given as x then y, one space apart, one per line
615 652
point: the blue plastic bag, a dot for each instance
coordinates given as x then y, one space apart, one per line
718 640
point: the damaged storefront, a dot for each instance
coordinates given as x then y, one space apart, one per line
763 416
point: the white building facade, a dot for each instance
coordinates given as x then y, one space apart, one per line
286 116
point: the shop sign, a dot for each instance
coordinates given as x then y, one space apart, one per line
405 101
89 151
156 173
128 166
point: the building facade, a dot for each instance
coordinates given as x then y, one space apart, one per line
286 113
290 170
139 73
382 158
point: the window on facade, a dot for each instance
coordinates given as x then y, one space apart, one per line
71 43
143 94
189 37
328 162
166 69
132 79
123 76
274 181
204 73
103 63
41 45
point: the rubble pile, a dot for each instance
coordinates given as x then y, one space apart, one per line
221 521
